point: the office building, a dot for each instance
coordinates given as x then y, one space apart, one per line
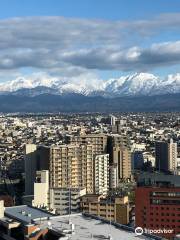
166 156
137 160
157 204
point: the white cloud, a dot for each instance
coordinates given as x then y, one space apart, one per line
71 47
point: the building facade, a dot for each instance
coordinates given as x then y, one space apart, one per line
41 189
113 209
122 157
30 168
98 141
65 200
158 208
166 156
72 166
101 174
113 176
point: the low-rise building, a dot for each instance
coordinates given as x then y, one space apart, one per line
111 208
65 200
28 223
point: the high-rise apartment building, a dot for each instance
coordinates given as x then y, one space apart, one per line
98 141
122 157
113 120
69 165
113 176
30 168
101 174
72 166
116 140
166 156
36 158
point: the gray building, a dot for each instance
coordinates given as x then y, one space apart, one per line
166 156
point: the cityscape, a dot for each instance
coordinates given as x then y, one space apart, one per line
123 170
89 120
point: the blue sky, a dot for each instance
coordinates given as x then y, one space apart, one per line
106 9
89 38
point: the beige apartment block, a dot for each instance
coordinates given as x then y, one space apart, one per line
113 209
98 141
122 157
71 166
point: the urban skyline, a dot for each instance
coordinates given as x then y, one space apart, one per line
89 120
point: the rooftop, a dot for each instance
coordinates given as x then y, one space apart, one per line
158 179
87 227
26 214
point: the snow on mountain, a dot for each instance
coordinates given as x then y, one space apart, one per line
136 84
82 86
22 82
130 85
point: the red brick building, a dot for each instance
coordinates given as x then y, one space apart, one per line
158 208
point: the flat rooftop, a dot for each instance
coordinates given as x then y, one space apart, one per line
26 214
89 228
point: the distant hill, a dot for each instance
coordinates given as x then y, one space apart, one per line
80 103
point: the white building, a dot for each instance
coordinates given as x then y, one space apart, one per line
113 120
65 200
113 176
59 200
41 189
101 174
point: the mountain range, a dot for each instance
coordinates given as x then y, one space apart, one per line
137 92
138 84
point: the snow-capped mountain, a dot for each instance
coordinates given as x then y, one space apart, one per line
130 85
